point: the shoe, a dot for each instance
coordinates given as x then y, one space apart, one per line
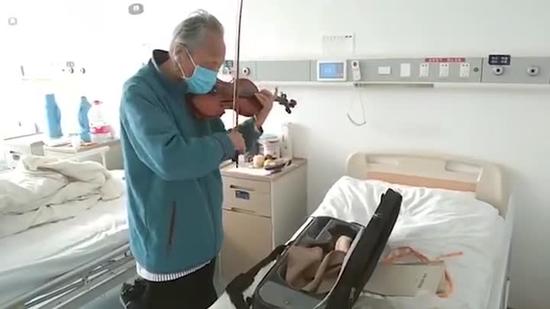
131 294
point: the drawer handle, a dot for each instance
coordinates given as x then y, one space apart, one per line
240 188
244 211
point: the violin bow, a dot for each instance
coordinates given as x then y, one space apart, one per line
237 72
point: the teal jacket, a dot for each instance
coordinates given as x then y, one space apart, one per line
172 159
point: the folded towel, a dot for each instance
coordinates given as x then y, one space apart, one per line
310 270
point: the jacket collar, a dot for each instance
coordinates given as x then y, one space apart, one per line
157 59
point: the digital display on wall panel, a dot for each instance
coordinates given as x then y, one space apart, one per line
331 70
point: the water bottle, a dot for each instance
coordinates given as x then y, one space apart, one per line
53 117
83 120
99 128
286 141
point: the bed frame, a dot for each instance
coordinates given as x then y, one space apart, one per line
483 179
81 285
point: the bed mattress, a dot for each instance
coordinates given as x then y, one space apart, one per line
434 222
31 258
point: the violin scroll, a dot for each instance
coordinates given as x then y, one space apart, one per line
288 104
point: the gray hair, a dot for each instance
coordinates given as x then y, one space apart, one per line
191 31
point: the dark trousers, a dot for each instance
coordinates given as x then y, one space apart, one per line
194 291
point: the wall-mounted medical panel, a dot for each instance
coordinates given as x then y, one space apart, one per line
518 70
422 70
492 69
404 70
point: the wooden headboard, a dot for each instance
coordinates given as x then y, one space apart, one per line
483 179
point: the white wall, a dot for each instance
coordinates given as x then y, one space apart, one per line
508 126
97 34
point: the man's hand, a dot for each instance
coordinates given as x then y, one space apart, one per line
266 99
237 140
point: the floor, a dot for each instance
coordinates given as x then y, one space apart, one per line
108 300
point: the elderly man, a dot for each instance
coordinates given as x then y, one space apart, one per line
172 164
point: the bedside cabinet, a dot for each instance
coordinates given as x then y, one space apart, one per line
259 213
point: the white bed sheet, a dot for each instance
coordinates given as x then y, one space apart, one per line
45 190
31 258
435 222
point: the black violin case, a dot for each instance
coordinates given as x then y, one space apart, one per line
359 262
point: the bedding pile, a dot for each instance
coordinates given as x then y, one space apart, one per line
43 190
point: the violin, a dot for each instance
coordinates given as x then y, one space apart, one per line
213 104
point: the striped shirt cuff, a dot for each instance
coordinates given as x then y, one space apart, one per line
143 273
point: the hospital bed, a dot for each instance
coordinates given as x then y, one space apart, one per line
69 262
449 205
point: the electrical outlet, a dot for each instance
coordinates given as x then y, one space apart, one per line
424 70
464 70
443 70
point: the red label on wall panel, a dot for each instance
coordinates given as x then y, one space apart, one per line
445 60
